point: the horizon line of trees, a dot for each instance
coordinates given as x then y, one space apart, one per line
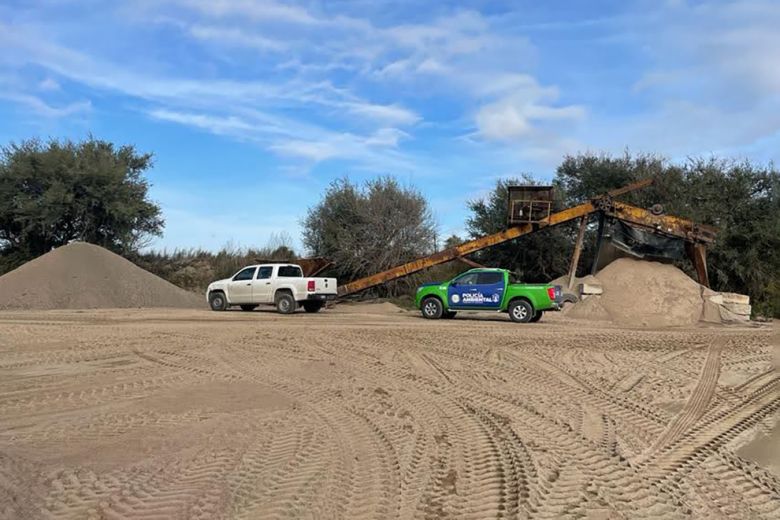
59 191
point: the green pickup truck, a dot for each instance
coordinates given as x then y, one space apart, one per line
488 289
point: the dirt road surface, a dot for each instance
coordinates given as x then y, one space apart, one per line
355 414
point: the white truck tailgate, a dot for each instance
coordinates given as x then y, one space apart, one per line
325 285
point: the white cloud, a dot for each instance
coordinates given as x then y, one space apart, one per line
232 36
503 120
389 137
48 85
517 115
311 150
713 85
44 109
214 124
391 114
252 9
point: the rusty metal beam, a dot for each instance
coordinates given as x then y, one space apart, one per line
631 187
575 257
470 262
674 226
464 249
667 224
698 255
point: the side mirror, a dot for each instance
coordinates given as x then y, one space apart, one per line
454 284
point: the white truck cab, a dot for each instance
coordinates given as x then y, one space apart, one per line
282 285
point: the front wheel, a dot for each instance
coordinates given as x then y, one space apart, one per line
285 303
217 301
312 306
521 311
431 308
537 317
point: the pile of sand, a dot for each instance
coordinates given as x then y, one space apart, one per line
643 294
86 276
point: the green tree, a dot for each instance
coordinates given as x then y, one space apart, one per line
452 241
55 192
580 177
366 229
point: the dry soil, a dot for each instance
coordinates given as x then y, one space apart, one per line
379 414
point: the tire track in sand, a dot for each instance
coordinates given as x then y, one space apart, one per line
698 401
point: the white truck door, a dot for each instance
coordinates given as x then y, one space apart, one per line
240 286
262 288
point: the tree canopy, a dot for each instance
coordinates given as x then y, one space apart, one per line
55 192
368 228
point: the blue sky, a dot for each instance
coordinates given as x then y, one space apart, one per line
252 107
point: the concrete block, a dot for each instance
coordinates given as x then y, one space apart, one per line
738 308
716 298
727 315
735 298
707 292
589 288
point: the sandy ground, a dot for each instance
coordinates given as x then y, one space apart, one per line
378 414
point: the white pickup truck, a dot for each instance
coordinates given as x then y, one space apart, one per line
282 285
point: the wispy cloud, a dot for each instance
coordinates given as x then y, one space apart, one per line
314 81
44 109
232 36
441 91
214 124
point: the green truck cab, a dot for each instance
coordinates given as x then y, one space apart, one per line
488 289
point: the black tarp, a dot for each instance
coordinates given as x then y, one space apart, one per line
644 243
623 239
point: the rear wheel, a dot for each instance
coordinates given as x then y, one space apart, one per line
521 311
431 308
217 301
247 308
537 317
285 303
569 298
312 306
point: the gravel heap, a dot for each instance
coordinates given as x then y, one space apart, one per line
643 294
86 276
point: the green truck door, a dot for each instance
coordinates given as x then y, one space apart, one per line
477 290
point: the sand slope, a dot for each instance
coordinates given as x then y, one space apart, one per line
639 293
86 276
182 414
649 294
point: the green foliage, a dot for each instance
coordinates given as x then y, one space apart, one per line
536 257
194 269
452 241
369 228
53 193
580 177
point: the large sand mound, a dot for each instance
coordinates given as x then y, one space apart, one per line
649 294
643 294
86 276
